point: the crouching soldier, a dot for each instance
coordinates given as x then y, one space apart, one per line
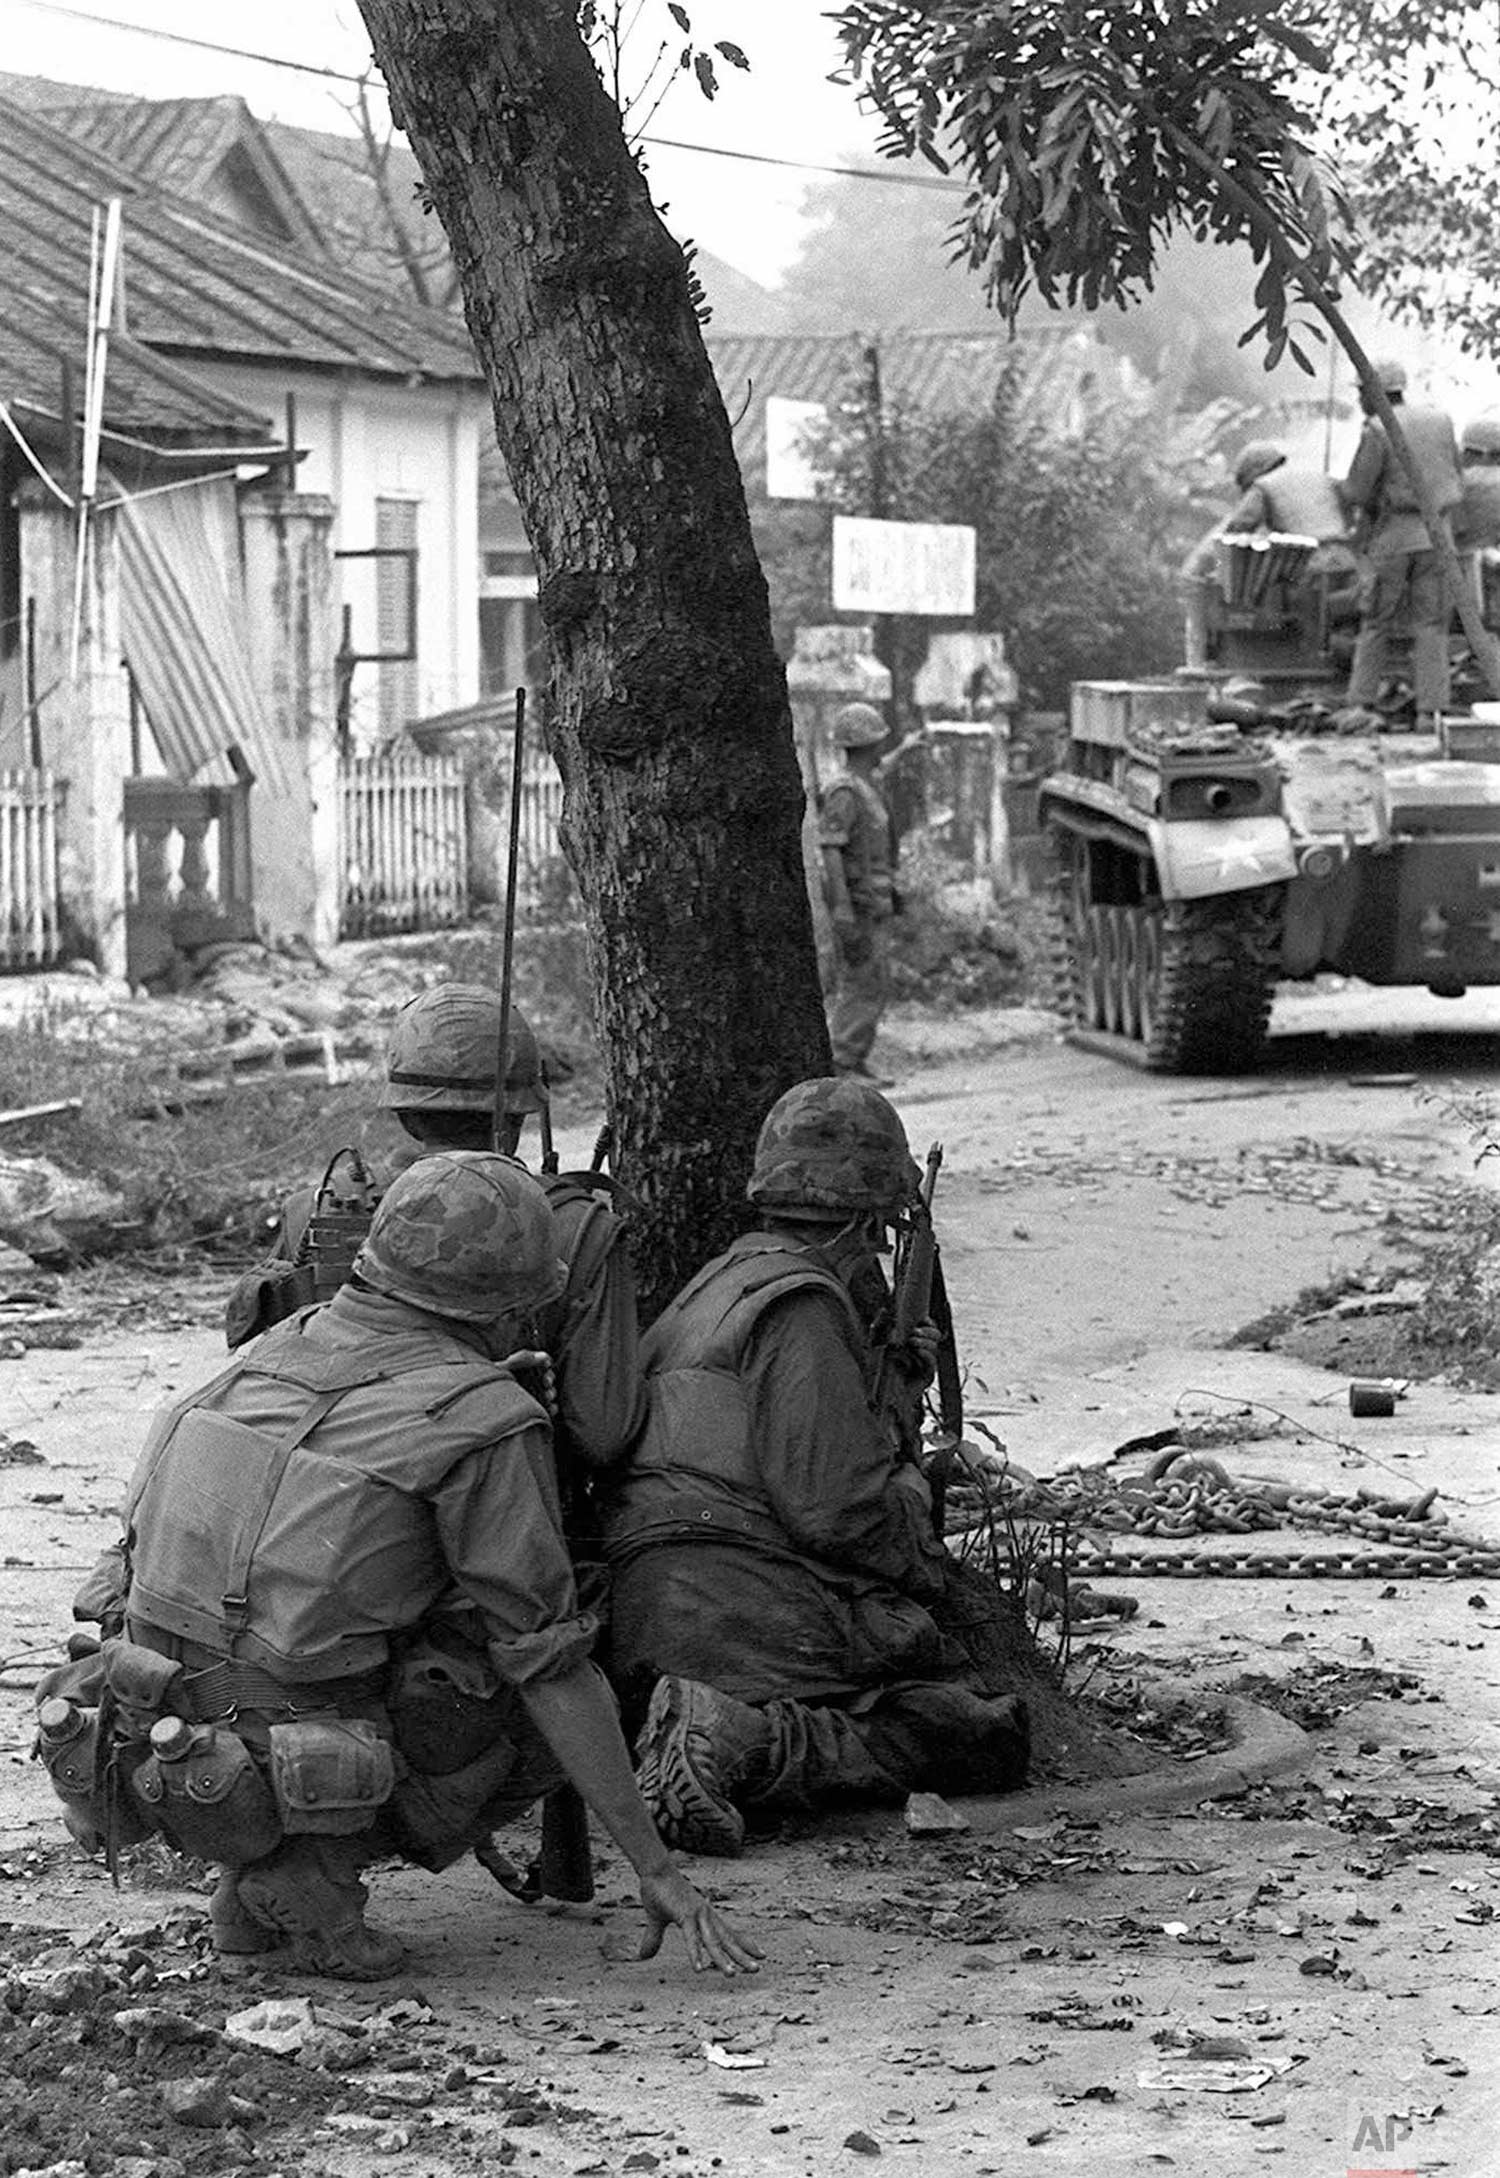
778 1590
295 1533
440 1067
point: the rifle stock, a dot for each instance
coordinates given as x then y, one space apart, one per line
564 1868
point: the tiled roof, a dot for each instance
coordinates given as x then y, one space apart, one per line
1063 369
145 395
210 150
195 286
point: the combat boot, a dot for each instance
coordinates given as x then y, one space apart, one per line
237 1934
697 1750
308 1892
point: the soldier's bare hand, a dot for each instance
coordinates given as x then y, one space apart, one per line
712 1939
922 1349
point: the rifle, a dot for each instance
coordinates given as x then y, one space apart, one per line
920 1293
564 1868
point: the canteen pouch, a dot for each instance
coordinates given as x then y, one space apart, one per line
213 1804
329 1775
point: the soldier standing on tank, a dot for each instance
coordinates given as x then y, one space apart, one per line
1476 525
859 868
290 1528
775 1570
1404 585
440 1085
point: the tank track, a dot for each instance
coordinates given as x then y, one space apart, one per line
1061 970
1219 960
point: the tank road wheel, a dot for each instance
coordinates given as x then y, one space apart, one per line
1095 969
1128 971
1109 970
1217 974
1147 924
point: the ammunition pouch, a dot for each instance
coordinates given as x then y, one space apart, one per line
264 1297
213 1805
329 1775
140 1681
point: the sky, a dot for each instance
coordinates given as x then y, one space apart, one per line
747 212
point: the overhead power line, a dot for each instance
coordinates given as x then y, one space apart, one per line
890 180
202 45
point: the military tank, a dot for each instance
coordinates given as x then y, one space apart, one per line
1203 847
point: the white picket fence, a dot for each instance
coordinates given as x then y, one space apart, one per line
541 814
30 812
404 846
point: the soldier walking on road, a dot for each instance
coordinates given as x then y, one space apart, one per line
859 866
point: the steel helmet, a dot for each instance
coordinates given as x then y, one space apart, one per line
1482 436
441 1055
1390 375
465 1234
1257 459
856 726
830 1149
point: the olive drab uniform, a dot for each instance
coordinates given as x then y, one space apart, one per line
291 1529
1404 582
590 1330
855 824
765 1541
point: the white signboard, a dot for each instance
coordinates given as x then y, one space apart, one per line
903 567
790 425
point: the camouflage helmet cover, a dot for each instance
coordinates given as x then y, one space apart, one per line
856 726
832 1148
441 1054
465 1234
1482 436
1257 459
1390 375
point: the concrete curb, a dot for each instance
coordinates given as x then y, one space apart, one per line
1265 1745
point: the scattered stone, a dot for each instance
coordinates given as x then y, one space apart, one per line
201 2101
928 1815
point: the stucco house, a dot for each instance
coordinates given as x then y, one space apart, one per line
182 667
262 304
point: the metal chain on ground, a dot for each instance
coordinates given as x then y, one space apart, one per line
1395 1540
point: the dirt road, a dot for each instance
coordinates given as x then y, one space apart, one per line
1039 1994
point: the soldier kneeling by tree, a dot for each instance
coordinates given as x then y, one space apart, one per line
782 1609
364 1494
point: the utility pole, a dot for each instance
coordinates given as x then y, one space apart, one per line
906 783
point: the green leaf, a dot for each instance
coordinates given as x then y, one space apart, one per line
732 53
703 69
680 18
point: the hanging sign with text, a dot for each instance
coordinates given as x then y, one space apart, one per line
903 567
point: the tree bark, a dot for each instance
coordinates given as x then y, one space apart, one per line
667 708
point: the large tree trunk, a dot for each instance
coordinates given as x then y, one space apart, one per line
668 712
